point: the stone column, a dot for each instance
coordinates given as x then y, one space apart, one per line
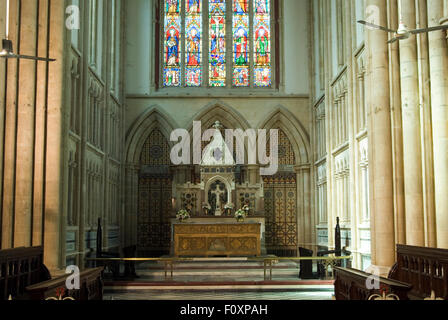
309 221
397 130
129 225
2 109
380 142
25 132
426 121
7 229
300 207
412 149
438 55
305 220
253 174
54 179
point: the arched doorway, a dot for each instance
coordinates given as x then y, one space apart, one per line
154 197
280 203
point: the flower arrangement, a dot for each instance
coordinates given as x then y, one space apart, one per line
183 215
240 215
246 208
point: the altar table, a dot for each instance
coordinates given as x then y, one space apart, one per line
217 239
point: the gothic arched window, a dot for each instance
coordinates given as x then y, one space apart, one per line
217 43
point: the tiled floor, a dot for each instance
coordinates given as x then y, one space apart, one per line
218 280
213 295
222 272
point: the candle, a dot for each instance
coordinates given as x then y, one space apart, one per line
7 19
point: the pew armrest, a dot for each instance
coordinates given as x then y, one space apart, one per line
91 287
351 284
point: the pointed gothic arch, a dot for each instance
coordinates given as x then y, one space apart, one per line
148 195
286 224
282 118
217 110
153 118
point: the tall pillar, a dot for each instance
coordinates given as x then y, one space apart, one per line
301 228
426 121
438 56
55 119
25 132
129 223
412 149
380 142
2 108
253 174
397 129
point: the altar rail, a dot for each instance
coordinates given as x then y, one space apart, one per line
426 269
329 263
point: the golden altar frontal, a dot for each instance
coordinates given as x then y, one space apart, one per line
217 239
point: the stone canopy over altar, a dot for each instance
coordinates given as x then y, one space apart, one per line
220 191
213 200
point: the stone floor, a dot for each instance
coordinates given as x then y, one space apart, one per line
218 280
216 295
219 270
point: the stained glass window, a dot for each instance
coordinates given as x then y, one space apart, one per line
241 43
172 37
217 43
236 37
262 43
193 45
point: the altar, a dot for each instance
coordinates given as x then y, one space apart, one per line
209 237
212 202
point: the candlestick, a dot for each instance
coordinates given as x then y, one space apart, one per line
7 20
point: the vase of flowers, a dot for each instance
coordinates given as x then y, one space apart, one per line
228 209
206 207
240 215
246 209
182 215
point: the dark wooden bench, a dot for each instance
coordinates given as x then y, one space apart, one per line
423 270
91 287
20 268
350 284
23 276
426 269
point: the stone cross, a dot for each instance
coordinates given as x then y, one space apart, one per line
218 192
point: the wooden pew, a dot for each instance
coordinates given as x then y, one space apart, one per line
426 269
350 284
91 287
423 270
20 268
24 276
